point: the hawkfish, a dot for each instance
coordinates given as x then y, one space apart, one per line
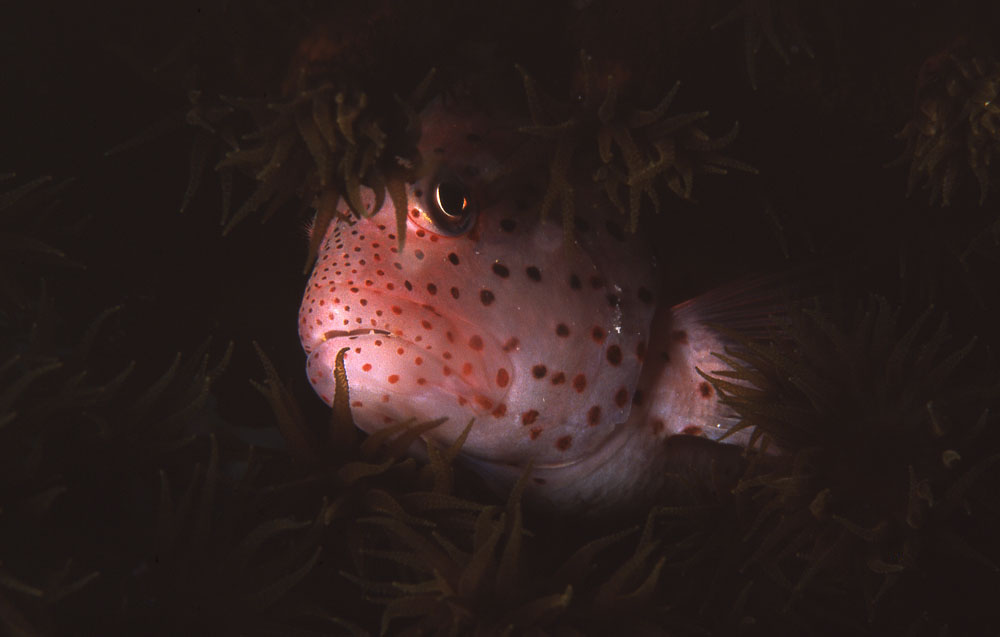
561 351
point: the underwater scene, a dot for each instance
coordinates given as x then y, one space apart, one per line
574 317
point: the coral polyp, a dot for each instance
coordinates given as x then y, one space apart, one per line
637 151
955 131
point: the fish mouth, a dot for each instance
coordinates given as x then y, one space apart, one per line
334 334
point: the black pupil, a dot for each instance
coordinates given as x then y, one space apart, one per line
451 198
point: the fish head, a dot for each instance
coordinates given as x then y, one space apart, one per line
490 313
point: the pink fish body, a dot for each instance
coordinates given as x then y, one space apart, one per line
561 354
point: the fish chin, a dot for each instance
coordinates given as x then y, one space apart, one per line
392 380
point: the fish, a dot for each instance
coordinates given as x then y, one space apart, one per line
563 352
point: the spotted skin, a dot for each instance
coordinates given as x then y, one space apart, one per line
544 344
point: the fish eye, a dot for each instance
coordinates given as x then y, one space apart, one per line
451 207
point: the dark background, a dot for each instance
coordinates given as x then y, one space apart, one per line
98 96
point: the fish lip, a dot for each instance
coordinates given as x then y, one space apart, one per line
335 334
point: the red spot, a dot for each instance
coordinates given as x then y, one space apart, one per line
421 381
705 389
529 417
414 213
426 324
420 233
446 371
621 397
579 383
679 336
657 426
366 367
500 410
462 401
594 415
476 343
357 403
385 398
393 378
466 368
400 351
502 377
535 433
447 356
614 355
450 337
418 361
692 430
395 309
378 343
484 402
562 444
511 345
559 378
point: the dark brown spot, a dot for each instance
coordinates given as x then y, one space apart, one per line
503 377
594 415
533 273
454 293
615 230
486 297
559 378
596 282
597 334
431 288
692 430
613 300
657 426
408 285
621 397
484 402
476 343
705 389
508 225
562 330
500 410
511 345
579 383
501 270
419 254
679 336
539 480
453 258
645 295
614 355
539 371
562 444
535 433
637 397
640 350
574 282
529 417
426 324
